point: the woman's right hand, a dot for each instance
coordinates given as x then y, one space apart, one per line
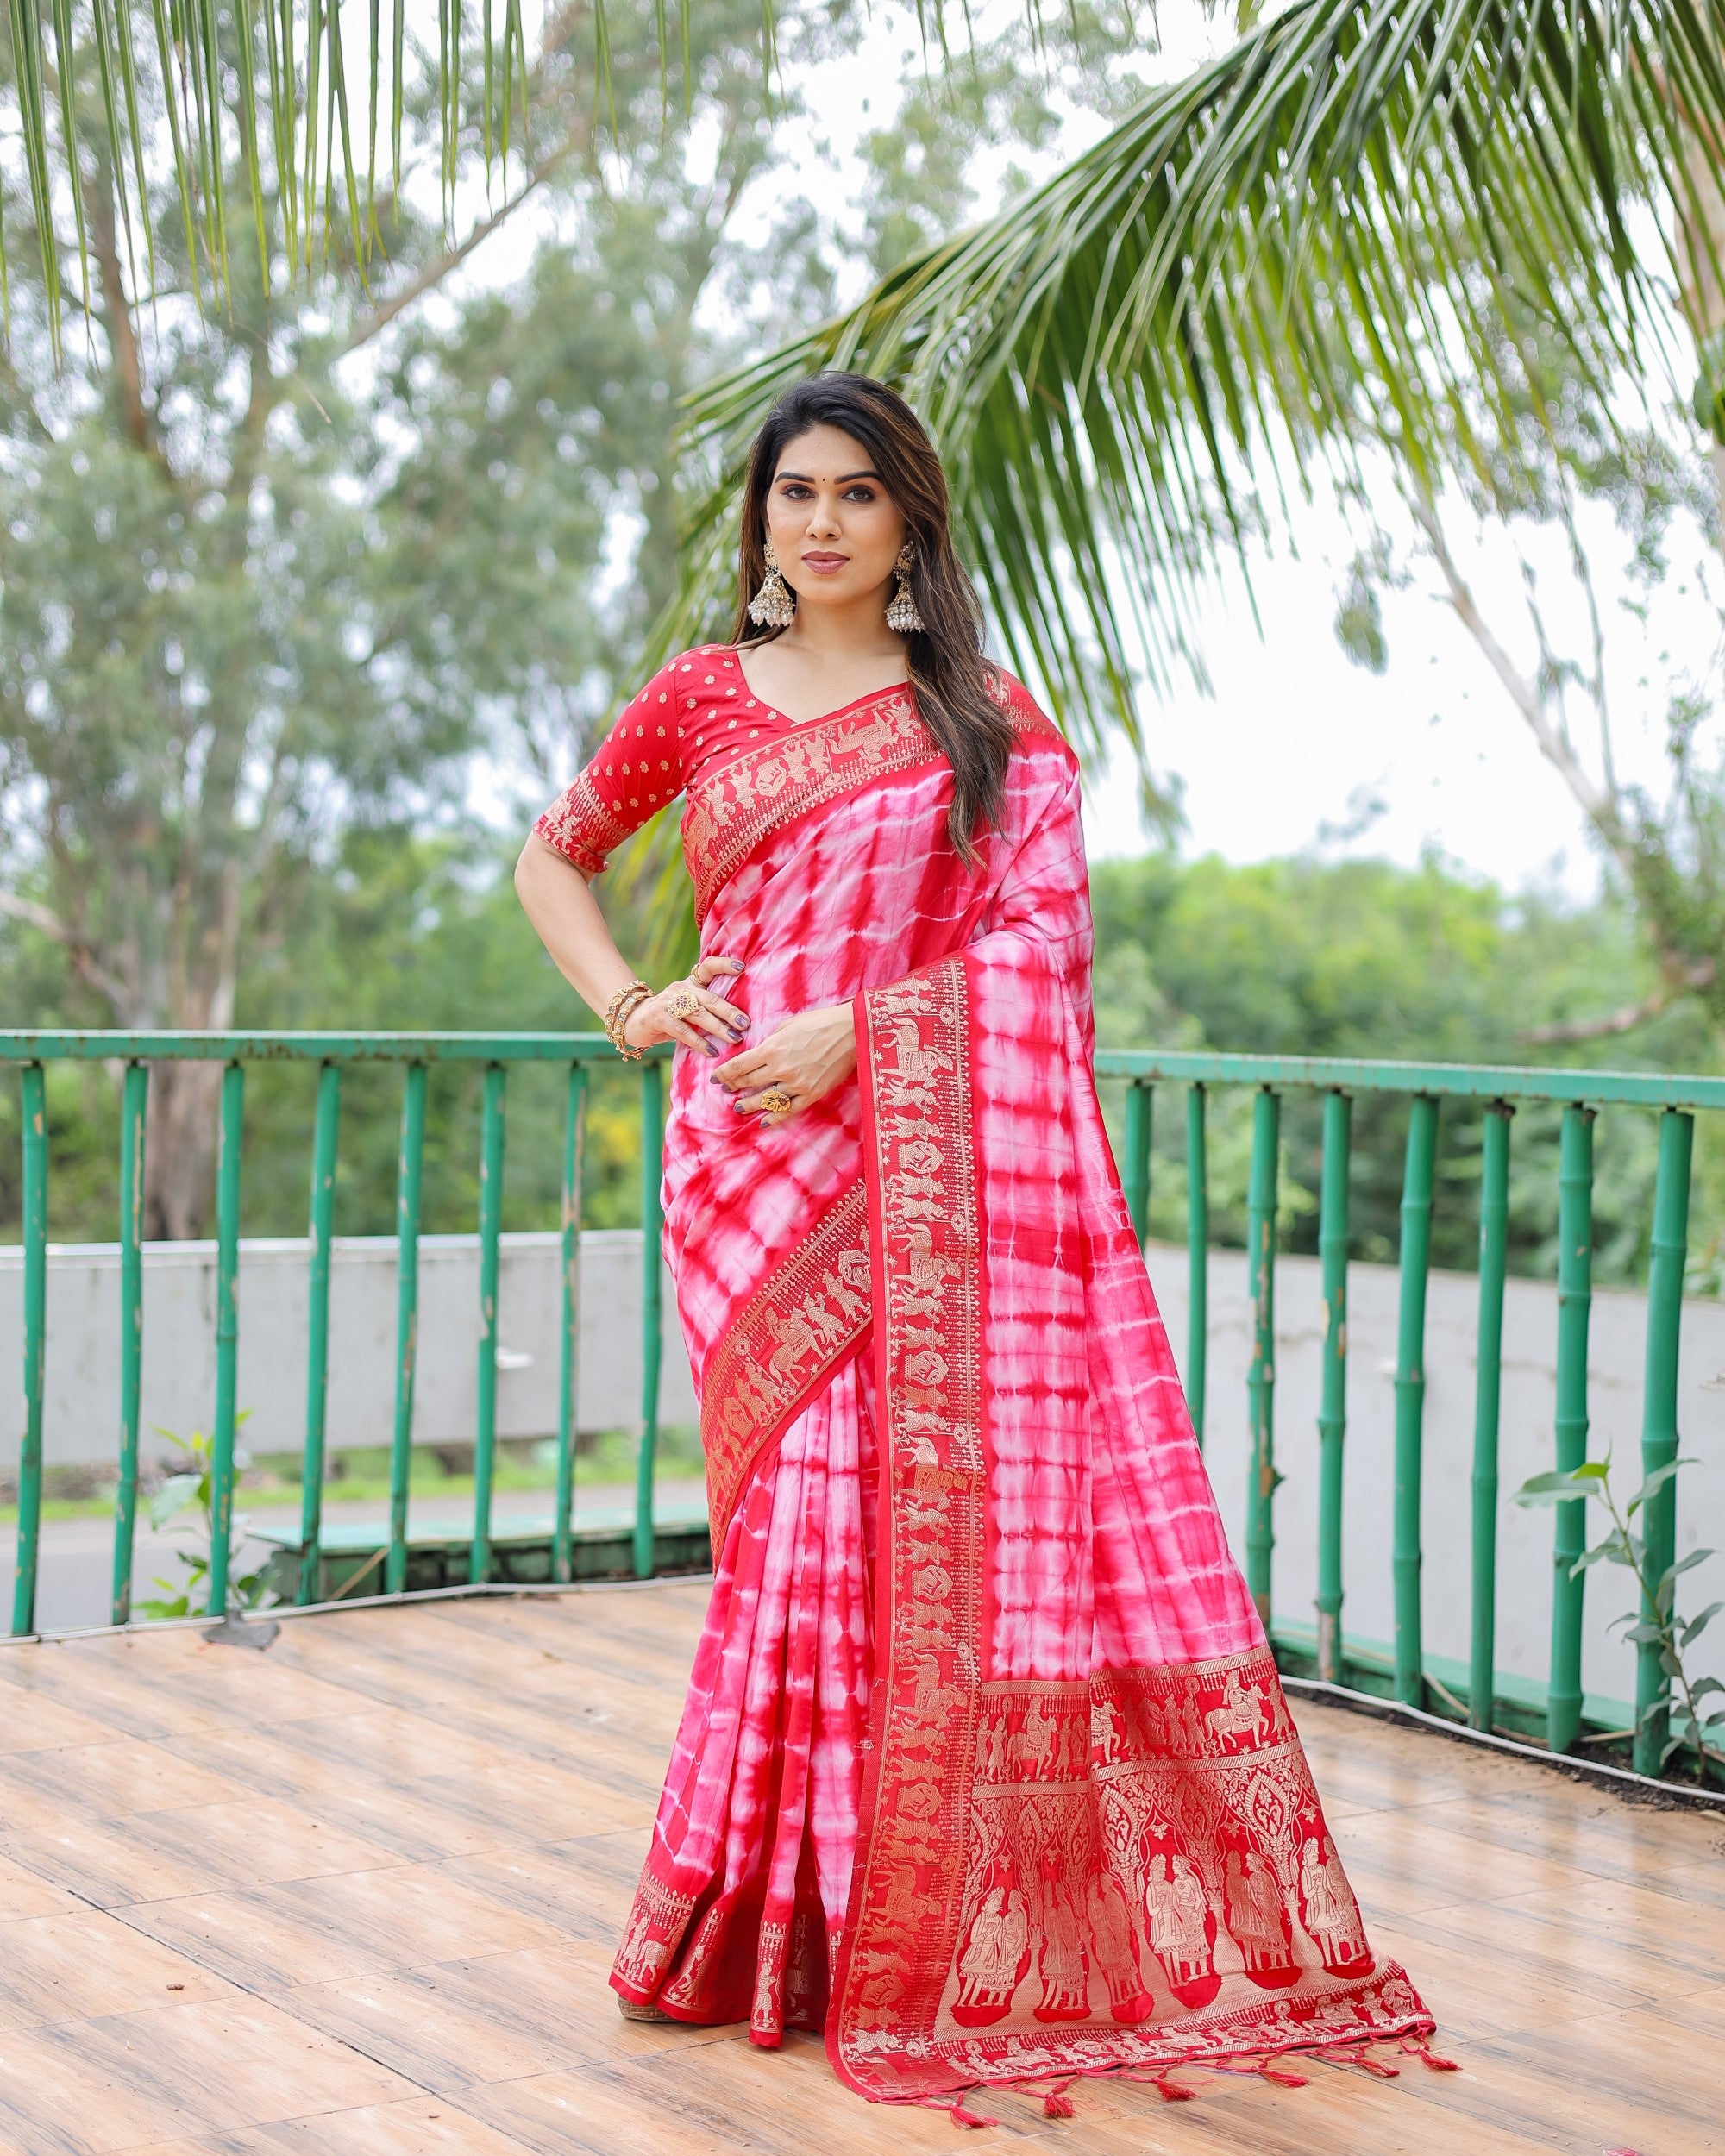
710 1025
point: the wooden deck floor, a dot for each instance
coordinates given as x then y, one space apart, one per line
357 1896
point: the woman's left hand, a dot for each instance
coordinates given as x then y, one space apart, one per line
803 1058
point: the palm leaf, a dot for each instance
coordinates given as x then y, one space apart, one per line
1333 236
283 99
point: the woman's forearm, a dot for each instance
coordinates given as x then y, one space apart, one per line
554 896
692 1012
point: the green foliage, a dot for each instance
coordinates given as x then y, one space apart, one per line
1001 96
403 933
1361 959
1550 458
228 129
1655 1622
192 1490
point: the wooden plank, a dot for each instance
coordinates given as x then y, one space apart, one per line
156 1684
24 1892
217 2064
1402 1862
31 1722
314 1931
303 1764
425 2125
459 2025
1673 1850
585 1886
389 1859
548 1706
78 1967
105 1781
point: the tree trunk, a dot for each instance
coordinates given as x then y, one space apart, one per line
182 1128
179 1162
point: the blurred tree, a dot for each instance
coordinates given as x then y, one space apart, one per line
272 571
1359 958
280 582
1611 518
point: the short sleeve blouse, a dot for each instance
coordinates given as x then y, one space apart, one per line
696 711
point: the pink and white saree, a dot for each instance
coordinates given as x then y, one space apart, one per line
985 1768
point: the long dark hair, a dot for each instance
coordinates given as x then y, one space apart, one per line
947 669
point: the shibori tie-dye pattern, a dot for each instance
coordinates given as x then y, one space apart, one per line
985 1768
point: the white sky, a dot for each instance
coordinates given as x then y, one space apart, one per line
1294 736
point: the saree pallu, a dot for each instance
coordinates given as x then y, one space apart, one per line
985 1768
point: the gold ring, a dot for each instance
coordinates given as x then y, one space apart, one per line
683 1005
776 1101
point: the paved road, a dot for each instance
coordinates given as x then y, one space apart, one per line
75 1572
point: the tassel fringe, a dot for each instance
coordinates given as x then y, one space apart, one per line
1265 2069
1421 2048
1166 2087
1359 2055
1058 2104
957 2112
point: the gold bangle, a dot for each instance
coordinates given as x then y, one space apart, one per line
619 1039
628 989
617 1014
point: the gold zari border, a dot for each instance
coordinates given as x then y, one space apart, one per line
732 809
807 1316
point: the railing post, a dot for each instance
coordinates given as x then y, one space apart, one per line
652 1171
36 1236
409 1161
1197 1261
568 1376
1575 1300
1333 1257
1658 1417
1260 1384
133 1102
1410 1394
325 1134
1494 1247
227 1332
490 1223
1139 1105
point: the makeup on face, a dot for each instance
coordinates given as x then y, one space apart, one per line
835 528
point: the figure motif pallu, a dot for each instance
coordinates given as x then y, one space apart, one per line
985 1768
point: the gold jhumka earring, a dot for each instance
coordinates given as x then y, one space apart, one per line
902 608
775 606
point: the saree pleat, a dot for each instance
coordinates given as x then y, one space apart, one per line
760 1805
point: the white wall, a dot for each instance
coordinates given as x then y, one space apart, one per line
81 1393
1616 1346
179 1389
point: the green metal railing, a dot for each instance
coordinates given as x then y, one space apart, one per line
1406 1675
1581 1094
331 1054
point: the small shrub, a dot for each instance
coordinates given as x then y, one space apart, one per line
192 1491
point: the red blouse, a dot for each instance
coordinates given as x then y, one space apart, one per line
695 712
697 728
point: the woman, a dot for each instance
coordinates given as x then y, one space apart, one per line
961 1770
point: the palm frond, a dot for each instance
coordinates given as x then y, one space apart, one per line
263 96
1334 234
